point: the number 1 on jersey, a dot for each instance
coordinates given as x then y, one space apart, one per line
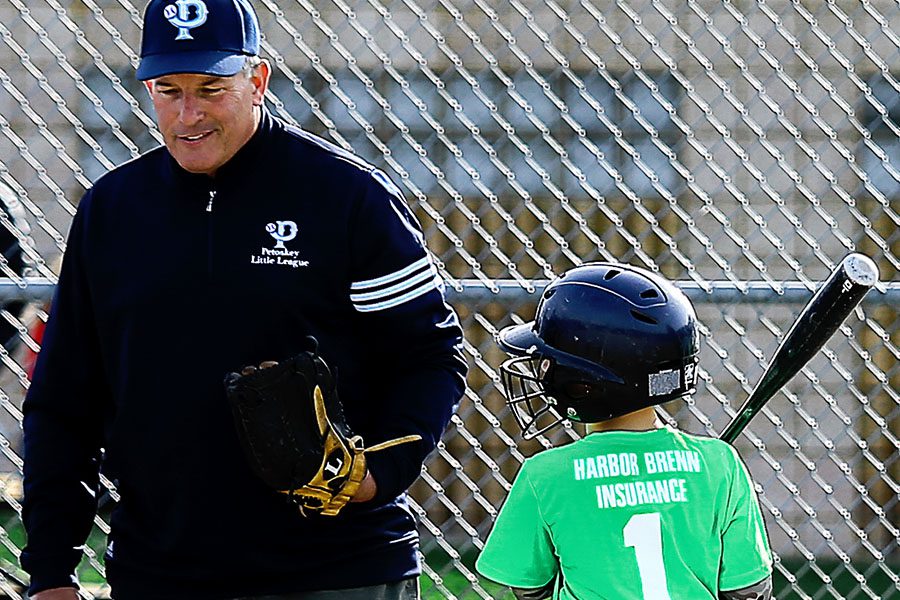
644 534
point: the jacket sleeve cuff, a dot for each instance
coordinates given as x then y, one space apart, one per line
50 571
394 470
39 583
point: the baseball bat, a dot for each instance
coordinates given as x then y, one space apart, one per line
819 319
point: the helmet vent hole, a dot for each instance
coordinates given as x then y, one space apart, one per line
610 274
651 293
645 318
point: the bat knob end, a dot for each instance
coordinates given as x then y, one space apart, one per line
860 269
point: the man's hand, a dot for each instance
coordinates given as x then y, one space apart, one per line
63 593
367 489
291 426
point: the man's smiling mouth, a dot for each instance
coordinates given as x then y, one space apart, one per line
195 137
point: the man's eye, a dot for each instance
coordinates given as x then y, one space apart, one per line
212 91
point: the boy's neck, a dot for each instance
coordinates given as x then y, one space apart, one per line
644 419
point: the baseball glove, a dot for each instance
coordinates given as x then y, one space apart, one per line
294 434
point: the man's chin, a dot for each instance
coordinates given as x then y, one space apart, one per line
195 166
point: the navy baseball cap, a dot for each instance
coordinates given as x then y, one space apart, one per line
211 37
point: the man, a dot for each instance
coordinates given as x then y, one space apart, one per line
634 509
263 235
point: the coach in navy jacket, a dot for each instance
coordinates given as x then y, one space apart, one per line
226 247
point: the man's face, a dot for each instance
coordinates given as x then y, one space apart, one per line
205 119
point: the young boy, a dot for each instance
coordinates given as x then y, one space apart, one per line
635 509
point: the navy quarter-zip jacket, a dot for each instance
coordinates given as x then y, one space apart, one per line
169 281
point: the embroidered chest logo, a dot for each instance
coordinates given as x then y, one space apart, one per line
179 15
282 231
279 254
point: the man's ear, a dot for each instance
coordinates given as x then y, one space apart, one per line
260 79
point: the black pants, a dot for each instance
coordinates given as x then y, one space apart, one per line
408 589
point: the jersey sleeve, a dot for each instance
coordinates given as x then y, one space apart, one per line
62 426
519 549
414 337
746 557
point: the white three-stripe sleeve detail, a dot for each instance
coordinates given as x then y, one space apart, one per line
390 277
390 291
429 285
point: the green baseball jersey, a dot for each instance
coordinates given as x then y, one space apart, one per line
652 515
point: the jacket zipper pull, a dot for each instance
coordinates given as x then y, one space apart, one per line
212 196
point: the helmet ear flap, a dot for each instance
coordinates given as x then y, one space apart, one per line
576 394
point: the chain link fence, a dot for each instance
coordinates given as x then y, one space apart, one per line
739 147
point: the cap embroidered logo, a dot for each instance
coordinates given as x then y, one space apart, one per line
179 15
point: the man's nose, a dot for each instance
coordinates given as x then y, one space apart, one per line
191 110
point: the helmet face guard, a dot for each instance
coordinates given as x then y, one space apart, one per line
526 395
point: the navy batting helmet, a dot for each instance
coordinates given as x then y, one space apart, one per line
608 339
